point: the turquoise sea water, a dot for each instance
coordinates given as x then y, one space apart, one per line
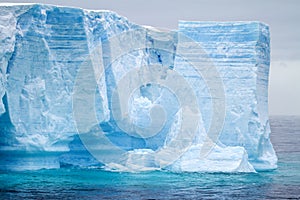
68 183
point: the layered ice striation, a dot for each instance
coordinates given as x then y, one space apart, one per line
76 83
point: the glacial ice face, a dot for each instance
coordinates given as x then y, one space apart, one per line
242 56
7 42
152 76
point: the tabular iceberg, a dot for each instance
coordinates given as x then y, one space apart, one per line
89 88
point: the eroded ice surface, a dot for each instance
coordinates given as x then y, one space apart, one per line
43 49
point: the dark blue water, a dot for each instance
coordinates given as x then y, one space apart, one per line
283 183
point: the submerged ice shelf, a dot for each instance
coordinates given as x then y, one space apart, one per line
89 88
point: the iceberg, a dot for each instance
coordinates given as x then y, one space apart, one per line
90 88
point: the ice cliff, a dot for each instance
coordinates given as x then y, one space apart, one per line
89 88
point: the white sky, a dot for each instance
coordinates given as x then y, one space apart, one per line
283 18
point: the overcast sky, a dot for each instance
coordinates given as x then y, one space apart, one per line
283 17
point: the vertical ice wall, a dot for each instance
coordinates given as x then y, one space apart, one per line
8 20
241 53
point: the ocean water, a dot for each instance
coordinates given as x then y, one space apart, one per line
283 183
